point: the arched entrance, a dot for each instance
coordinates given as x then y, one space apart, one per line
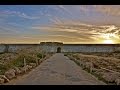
59 50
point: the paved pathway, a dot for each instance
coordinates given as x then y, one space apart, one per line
58 70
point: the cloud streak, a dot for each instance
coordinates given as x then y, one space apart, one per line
108 9
82 31
65 9
17 13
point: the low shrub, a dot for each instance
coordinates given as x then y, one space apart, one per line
65 54
19 62
39 55
3 68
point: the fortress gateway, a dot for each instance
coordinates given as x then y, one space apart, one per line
60 47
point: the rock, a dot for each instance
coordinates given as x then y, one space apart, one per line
17 70
89 65
117 81
24 69
10 73
32 64
81 63
5 78
40 61
46 57
99 72
37 63
110 67
118 67
71 58
95 70
110 77
2 80
29 67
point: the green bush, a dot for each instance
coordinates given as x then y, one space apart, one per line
19 61
39 55
3 68
65 54
30 59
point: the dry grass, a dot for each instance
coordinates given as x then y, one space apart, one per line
104 68
112 55
11 60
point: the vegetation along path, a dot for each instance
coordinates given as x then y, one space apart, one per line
57 70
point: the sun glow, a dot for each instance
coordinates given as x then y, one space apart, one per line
109 38
108 41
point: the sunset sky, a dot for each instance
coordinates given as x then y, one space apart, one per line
93 24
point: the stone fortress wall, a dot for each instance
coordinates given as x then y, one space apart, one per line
15 47
52 47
